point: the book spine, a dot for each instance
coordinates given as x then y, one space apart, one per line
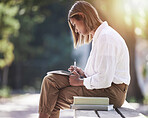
92 107
91 101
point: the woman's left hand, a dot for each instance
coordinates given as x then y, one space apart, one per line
74 79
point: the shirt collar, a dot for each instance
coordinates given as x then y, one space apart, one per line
99 29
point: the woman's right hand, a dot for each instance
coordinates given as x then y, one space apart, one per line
78 69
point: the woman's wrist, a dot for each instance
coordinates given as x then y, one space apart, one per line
83 75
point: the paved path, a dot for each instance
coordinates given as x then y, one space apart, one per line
141 108
25 106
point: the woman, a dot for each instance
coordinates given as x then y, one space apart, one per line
107 70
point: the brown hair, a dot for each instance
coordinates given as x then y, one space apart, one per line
91 20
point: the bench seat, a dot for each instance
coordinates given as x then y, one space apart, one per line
126 111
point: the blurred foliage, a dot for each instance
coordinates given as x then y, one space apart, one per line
43 25
132 100
144 71
133 13
5 92
39 39
9 25
6 53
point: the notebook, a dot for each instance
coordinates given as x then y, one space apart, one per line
60 72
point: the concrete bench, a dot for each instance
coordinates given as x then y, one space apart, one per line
126 111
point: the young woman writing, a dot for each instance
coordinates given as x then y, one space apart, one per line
107 70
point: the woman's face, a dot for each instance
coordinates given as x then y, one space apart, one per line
79 26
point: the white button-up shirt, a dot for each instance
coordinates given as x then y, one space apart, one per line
108 60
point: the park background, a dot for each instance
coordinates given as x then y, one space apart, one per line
35 38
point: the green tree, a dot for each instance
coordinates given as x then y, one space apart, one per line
44 42
9 26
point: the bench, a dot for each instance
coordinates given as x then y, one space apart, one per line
126 111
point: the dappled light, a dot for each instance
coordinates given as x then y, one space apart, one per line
137 10
133 12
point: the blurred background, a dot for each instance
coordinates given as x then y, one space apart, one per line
35 38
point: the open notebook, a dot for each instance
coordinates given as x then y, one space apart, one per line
60 72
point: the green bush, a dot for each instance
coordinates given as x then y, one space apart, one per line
132 100
5 92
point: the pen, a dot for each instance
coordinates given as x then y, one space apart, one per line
75 64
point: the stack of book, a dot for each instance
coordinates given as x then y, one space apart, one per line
91 103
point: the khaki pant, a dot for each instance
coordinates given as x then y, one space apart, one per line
56 94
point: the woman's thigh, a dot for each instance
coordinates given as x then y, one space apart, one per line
58 81
65 97
116 95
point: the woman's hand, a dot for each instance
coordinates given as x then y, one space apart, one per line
74 79
77 69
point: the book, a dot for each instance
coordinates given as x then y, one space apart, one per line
92 107
91 103
60 72
91 100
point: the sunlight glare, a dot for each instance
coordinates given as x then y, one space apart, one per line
127 19
142 13
136 5
138 31
127 9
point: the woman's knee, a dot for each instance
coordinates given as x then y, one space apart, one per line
47 80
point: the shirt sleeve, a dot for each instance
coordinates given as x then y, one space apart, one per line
105 65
